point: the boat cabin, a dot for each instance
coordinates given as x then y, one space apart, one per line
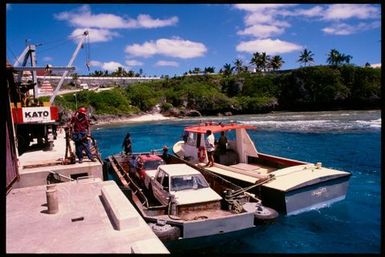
238 149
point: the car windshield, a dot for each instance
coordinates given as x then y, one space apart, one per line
153 165
188 182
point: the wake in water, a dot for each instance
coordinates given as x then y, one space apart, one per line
337 121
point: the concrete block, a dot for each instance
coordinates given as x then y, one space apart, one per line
123 214
149 246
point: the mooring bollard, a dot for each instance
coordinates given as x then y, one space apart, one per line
52 199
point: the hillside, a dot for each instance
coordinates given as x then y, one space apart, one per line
308 88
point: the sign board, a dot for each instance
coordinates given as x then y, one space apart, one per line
36 114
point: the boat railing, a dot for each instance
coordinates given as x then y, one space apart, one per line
133 186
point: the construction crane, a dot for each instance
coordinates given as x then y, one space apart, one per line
32 118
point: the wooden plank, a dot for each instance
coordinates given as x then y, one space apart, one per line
120 176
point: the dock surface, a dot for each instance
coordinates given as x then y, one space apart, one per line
36 164
85 222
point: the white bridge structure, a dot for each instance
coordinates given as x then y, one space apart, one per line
97 81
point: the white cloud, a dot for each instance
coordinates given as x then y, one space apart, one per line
145 21
316 11
269 46
259 7
95 63
133 63
347 11
261 31
83 17
376 65
174 47
343 29
262 20
110 66
47 58
95 35
167 63
265 20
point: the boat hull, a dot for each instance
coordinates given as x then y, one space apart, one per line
306 198
219 222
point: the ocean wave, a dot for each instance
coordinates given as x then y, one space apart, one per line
315 125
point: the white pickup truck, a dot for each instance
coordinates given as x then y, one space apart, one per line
185 187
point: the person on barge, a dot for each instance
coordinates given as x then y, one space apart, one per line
80 130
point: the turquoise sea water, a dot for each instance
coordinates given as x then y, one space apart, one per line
345 140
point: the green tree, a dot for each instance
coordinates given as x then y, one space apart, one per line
276 62
306 57
239 66
119 72
227 69
209 70
334 58
75 76
196 70
261 61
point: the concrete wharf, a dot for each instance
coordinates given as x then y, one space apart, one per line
94 216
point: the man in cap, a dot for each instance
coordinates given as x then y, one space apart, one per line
80 128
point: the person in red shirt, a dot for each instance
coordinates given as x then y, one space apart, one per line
80 128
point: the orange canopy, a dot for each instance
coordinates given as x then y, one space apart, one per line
202 128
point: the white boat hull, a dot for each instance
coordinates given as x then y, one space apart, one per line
306 198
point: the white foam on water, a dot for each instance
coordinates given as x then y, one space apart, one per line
315 125
370 123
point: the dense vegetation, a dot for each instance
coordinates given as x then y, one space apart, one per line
307 88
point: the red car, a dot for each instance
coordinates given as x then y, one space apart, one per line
144 163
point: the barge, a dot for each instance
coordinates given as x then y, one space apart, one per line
296 187
181 201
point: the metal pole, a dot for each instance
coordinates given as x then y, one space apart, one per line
52 199
69 65
33 64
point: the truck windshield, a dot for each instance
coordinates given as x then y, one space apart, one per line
185 182
153 165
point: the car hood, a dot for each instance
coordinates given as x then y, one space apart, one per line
191 196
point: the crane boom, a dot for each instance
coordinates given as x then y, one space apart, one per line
85 34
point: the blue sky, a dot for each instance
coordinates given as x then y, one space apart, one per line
170 39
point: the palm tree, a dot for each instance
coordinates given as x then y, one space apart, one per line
334 58
276 62
255 60
260 60
196 70
347 58
265 61
238 65
227 69
209 70
119 72
306 57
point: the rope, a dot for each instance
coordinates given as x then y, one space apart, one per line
242 190
88 52
14 55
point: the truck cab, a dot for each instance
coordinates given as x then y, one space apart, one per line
144 167
186 186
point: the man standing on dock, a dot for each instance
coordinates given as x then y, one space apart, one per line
210 146
80 128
